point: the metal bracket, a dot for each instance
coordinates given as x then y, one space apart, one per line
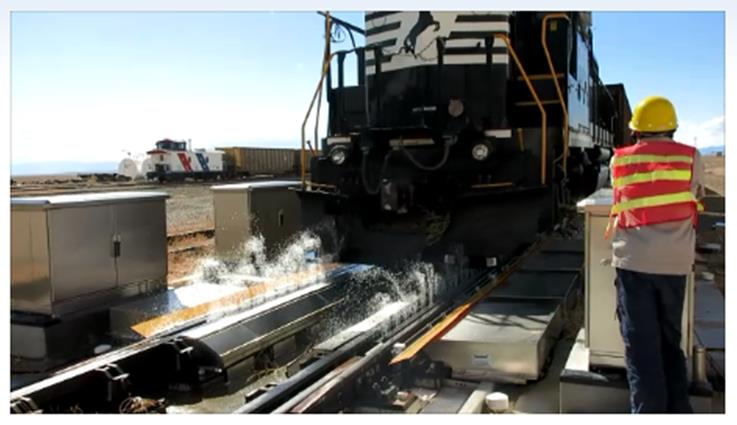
117 381
24 405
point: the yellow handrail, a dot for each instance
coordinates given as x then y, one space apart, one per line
325 68
544 41
534 77
327 58
544 129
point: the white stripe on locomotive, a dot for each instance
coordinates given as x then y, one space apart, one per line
424 43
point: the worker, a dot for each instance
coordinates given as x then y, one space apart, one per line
657 183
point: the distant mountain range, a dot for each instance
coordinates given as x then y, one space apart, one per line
712 150
62 167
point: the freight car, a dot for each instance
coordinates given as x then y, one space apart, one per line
241 161
174 161
466 133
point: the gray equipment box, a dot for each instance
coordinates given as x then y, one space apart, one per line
243 210
71 253
502 340
603 338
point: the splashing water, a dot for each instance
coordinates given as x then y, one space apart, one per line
416 284
253 264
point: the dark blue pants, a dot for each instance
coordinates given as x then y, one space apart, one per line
649 307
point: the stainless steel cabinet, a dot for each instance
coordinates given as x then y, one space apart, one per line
243 210
73 252
603 338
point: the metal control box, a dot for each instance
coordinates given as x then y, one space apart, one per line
501 339
603 338
243 210
75 252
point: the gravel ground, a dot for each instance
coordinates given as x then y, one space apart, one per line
188 208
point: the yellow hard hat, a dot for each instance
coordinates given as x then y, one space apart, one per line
654 114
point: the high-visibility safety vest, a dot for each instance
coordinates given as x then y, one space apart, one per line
652 184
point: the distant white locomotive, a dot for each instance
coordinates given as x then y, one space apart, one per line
171 160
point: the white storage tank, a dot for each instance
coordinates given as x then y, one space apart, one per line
146 166
130 168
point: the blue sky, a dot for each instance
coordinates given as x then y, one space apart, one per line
89 86
676 54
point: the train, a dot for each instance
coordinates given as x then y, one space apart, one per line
173 160
466 134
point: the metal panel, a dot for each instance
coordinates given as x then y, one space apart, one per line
232 221
29 255
505 340
275 215
86 199
554 261
243 210
141 228
536 285
28 341
81 250
603 337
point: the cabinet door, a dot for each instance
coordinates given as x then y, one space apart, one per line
81 250
275 215
232 221
603 332
141 227
604 336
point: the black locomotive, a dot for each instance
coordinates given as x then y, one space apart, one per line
466 134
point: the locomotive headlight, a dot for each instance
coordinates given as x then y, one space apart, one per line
480 151
338 155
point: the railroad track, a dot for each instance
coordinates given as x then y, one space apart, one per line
179 237
329 380
324 381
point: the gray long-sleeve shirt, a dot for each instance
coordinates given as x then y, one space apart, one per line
663 248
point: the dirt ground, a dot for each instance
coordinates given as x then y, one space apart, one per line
714 170
188 208
713 262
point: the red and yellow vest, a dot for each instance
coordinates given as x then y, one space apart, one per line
652 184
